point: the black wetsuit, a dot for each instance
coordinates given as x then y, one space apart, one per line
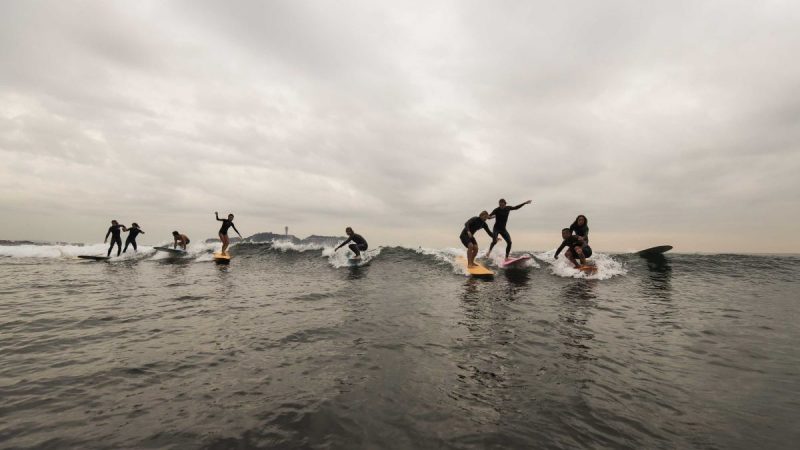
116 238
582 231
225 225
133 232
474 224
500 220
359 244
572 242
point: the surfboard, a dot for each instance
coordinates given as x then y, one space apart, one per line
222 258
477 271
94 258
654 250
515 262
354 261
171 251
587 269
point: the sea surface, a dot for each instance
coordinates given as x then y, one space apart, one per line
291 347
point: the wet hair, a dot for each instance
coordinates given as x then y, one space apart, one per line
483 212
134 224
114 221
230 214
502 200
567 230
585 220
348 229
175 233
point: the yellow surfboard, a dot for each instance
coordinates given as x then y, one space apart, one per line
222 258
589 269
477 271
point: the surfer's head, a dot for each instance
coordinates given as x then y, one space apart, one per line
175 233
114 222
230 216
483 215
581 221
349 231
502 202
566 232
135 225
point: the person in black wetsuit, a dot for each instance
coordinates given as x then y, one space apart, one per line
133 231
179 239
359 243
468 235
223 231
575 247
116 238
500 216
581 229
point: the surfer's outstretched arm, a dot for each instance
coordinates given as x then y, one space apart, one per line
237 231
520 205
488 231
107 234
560 247
216 214
343 243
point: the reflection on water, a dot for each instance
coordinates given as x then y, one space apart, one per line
578 302
658 283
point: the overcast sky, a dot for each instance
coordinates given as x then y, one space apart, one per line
664 122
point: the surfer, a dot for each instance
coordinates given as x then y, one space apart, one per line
180 239
500 214
116 238
133 231
359 243
581 228
468 235
223 231
575 248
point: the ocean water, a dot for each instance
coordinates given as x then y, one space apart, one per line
290 347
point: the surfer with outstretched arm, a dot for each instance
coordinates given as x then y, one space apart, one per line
179 239
575 248
223 231
500 216
359 244
468 235
133 231
116 238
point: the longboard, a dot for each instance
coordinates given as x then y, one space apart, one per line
171 251
652 251
515 262
94 258
222 258
477 271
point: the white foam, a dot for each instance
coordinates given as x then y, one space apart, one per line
607 267
285 246
342 257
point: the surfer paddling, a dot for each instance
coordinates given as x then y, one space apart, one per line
179 239
500 216
223 231
133 231
116 238
575 248
468 236
359 244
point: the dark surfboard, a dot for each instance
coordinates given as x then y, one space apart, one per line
93 258
653 251
171 251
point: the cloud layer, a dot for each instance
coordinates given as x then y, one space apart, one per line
665 123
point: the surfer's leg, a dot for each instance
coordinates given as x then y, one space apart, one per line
579 252
110 247
354 249
507 237
571 257
224 239
133 243
495 232
587 251
119 246
472 252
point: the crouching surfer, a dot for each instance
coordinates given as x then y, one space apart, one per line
359 244
467 236
179 239
576 248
